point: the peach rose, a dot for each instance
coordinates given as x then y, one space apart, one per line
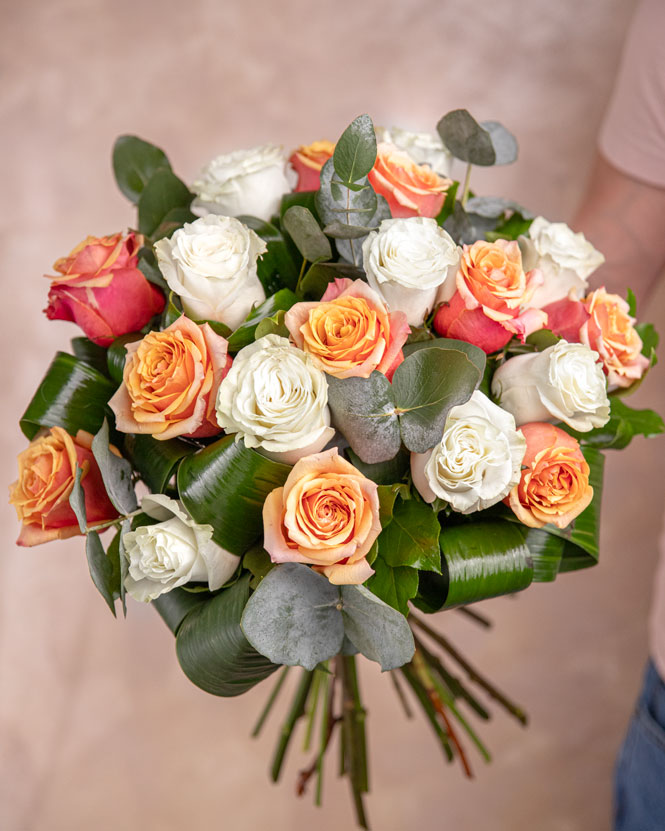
411 189
609 330
170 382
349 332
554 487
46 473
326 515
307 162
493 292
100 287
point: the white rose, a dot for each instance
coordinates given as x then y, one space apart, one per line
565 258
478 460
175 551
407 261
564 382
424 148
274 397
245 182
211 264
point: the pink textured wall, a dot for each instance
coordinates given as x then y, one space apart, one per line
98 727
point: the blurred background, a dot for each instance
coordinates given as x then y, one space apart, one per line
98 726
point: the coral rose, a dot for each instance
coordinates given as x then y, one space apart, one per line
46 474
101 289
349 332
326 515
307 162
554 487
411 189
493 291
170 382
609 330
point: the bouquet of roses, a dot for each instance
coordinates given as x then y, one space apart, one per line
316 394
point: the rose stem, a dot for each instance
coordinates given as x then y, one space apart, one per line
457 689
99 526
475 616
269 703
465 190
473 674
426 680
310 713
394 677
297 711
426 704
353 716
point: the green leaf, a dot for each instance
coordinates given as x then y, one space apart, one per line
387 497
307 235
148 267
172 221
77 500
72 395
212 649
134 163
245 333
546 552
101 568
225 485
258 562
412 538
448 203
124 563
174 606
280 265
355 151
272 326
480 560
156 461
304 198
315 280
116 473
625 423
89 352
293 617
116 354
378 631
473 353
632 302
172 310
395 586
650 339
383 473
514 227
162 193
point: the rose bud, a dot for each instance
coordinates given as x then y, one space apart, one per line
47 471
609 330
211 265
170 382
411 189
554 487
326 515
349 332
564 382
491 301
307 162
243 183
102 290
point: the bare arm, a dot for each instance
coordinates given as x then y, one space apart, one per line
625 219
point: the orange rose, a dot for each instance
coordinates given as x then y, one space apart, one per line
349 332
411 189
327 515
307 162
554 487
170 382
100 287
488 307
46 472
609 330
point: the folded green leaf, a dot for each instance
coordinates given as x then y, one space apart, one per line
156 461
72 395
212 649
89 352
116 354
225 485
162 194
174 606
134 163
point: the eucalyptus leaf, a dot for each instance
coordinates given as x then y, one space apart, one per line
212 648
378 631
124 562
116 472
503 142
307 234
355 151
304 198
466 139
101 569
293 617
77 501
493 207
473 353
412 537
135 161
340 230
162 193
